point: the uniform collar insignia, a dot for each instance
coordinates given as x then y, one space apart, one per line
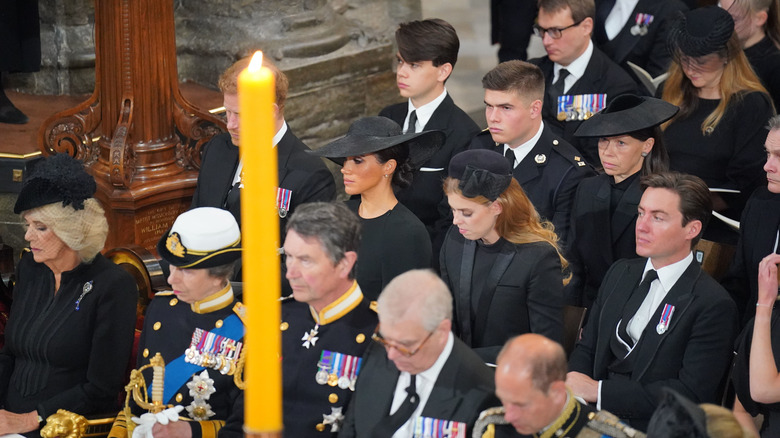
215 302
343 305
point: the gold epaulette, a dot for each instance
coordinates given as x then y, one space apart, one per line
609 424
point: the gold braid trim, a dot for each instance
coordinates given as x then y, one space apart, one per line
238 375
567 418
210 428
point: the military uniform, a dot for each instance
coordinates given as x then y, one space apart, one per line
200 344
321 360
576 421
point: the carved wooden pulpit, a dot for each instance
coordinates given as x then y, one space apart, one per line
138 136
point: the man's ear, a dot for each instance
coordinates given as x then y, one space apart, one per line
346 263
445 70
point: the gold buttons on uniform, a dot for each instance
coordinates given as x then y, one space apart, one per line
333 398
320 427
284 326
179 398
360 338
157 325
219 323
173 301
146 352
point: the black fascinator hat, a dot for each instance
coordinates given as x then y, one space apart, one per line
373 134
481 172
58 178
700 32
627 113
677 417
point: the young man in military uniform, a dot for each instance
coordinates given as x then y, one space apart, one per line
196 331
530 382
326 323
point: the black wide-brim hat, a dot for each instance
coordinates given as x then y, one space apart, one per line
677 417
200 238
481 172
700 32
58 178
373 134
627 113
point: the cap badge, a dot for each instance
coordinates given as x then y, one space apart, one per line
174 245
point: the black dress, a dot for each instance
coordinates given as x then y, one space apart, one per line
731 157
390 245
764 57
69 349
741 377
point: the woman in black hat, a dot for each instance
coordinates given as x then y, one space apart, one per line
604 211
719 133
376 159
197 328
499 259
70 332
757 24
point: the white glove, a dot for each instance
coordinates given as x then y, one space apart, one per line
147 421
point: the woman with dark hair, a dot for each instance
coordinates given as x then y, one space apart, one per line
70 332
499 259
376 159
719 133
757 24
604 211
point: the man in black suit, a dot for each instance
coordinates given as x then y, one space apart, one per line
758 230
580 78
547 167
417 372
427 52
658 321
302 177
635 31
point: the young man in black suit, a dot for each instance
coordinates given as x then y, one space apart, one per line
416 370
580 78
658 321
758 230
427 53
547 167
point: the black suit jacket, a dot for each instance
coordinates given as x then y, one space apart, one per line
602 76
463 389
425 197
758 231
596 239
549 175
306 175
648 51
691 357
523 292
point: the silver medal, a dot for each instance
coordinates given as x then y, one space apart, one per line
321 377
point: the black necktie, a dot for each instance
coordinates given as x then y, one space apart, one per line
388 425
412 122
510 156
560 84
633 304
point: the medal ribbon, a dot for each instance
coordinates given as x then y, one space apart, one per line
666 316
179 371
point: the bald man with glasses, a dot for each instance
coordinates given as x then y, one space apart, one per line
579 78
417 375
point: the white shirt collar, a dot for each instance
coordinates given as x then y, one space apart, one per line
277 138
425 112
576 68
523 150
279 134
668 275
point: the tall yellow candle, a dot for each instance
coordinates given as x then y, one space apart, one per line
260 231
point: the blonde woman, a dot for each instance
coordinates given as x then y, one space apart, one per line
500 261
719 133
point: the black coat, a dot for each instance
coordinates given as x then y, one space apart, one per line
602 76
463 389
522 294
648 51
758 232
304 174
764 57
20 34
549 175
692 356
425 197
596 239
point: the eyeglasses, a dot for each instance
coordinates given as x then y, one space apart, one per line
554 32
403 350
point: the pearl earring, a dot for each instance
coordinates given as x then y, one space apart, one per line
644 154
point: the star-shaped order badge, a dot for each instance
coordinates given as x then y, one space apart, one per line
310 338
201 386
200 410
334 418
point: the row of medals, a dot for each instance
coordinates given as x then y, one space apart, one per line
323 377
574 114
224 363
